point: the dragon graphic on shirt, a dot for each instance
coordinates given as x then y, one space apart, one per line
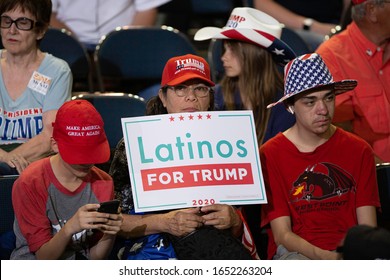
322 181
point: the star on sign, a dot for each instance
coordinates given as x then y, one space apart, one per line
190 117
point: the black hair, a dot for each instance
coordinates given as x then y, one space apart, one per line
40 9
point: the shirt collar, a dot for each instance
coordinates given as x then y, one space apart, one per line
369 48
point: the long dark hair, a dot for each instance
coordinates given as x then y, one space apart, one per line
258 82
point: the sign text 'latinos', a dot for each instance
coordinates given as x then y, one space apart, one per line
189 150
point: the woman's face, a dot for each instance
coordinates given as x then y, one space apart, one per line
190 102
18 41
231 63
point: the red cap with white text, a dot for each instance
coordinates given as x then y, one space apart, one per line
79 133
179 69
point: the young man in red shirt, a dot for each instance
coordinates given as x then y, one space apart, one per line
320 179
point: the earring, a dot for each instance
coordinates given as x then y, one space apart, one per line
291 109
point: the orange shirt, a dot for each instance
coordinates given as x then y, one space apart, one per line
350 55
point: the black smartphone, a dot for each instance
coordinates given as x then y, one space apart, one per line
110 207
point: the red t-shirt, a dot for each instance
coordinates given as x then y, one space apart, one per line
42 205
319 190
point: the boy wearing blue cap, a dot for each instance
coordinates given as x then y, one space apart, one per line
320 179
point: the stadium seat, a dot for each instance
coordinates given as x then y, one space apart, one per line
383 178
131 58
62 44
7 236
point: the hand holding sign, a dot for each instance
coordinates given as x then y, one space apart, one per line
182 222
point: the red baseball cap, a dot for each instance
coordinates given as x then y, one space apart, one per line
79 133
179 69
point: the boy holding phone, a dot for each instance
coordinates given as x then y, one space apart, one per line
56 199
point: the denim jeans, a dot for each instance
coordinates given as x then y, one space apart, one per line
283 254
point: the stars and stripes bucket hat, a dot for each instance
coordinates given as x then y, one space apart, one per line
308 73
254 27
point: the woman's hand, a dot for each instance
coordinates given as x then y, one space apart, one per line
221 216
16 161
182 222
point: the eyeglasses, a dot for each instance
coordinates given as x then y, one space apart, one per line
198 90
21 23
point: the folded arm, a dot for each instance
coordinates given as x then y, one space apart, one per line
35 148
177 222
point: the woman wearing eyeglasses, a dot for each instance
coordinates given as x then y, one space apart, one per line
33 84
186 86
